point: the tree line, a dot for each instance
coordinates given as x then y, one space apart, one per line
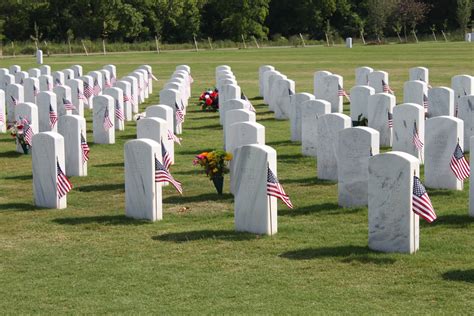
177 21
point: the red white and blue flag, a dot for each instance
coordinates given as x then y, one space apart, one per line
342 93
416 139
27 131
88 91
173 137
390 120
107 122
421 204
118 112
275 189
68 105
425 102
386 87
81 96
53 117
165 155
85 149
249 104
459 165
163 175
96 89
179 114
63 184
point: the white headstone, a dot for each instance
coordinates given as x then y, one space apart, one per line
46 156
254 210
296 102
328 128
228 92
58 78
261 70
126 88
3 116
77 95
87 83
143 196
112 71
104 112
362 76
311 110
380 108
28 111
471 186
327 89
71 127
20 77
77 70
416 92
140 85
466 113
229 105
408 118
68 74
63 96
318 80
7 80
166 113
360 102
170 98
133 91
275 90
146 80
156 129
442 134
14 69
393 226
46 83
117 95
236 116
106 78
39 57
377 78
266 84
462 85
280 99
419 73
47 103
97 78
31 89
34 72
349 42
355 146
45 70
13 96
440 101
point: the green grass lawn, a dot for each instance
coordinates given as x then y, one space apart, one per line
89 258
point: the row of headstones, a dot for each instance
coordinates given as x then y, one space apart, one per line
176 93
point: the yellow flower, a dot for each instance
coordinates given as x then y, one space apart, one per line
228 156
214 170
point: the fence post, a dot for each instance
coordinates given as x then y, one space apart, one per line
157 45
414 34
210 43
195 43
243 41
84 46
103 46
444 35
302 40
13 49
256 43
70 48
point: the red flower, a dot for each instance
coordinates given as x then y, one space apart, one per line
208 101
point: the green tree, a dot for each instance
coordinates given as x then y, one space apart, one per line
463 13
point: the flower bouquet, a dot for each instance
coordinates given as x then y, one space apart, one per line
22 133
209 100
215 165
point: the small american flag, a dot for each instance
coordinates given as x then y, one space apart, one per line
150 75
163 175
85 149
81 96
88 91
390 120
179 114
126 98
173 137
63 185
28 132
53 117
166 156
118 112
50 86
421 204
275 189
342 93
107 83
113 80
459 165
96 89
14 100
107 122
250 106
386 88
57 82
2 117
425 102
35 91
416 138
68 105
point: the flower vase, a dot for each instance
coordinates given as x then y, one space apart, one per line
26 148
218 183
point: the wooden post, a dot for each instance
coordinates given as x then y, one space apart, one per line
302 40
399 38
210 43
47 51
362 37
13 49
157 45
1 49
327 38
414 34
434 35
256 43
444 35
243 41
84 46
36 44
195 43
103 46
69 44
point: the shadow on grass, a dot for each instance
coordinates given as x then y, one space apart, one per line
459 275
455 221
290 158
348 253
228 235
112 164
127 136
189 172
7 140
204 117
265 119
309 181
22 177
10 154
17 207
198 198
102 187
434 192
324 208
118 220
191 152
264 113
213 126
280 143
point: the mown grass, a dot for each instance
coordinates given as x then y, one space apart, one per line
89 258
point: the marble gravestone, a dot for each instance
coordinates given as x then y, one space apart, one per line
28 111
462 85
63 96
441 101
47 103
7 80
222 68
376 80
362 76
45 70
46 156
266 83
146 80
283 90
272 89
39 57
244 133
355 146
328 128
162 111
318 81
229 105
71 127
407 118
143 196
77 95
68 74
170 98
419 73
30 89
471 185
14 69
133 92
3 117
393 226
140 86
46 82
20 77
229 92
103 118
295 114
360 102
415 92
441 137
58 78
117 95
77 70
380 109
236 116
13 96
105 78
254 210
97 78
311 110
261 70
156 129
112 69
466 113
87 84
34 72
126 88
329 90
